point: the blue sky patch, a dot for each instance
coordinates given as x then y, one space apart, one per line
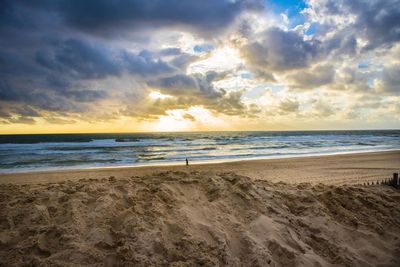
203 48
312 29
291 8
363 65
246 75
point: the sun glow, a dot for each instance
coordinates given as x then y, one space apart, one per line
195 118
222 59
175 120
158 95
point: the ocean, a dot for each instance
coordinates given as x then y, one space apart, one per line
34 152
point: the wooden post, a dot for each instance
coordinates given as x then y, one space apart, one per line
395 179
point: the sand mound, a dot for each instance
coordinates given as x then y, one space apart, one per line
193 219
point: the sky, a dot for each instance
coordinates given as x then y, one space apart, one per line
170 65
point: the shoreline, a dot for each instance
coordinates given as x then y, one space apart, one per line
192 162
250 167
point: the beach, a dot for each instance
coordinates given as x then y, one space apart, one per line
300 211
238 133
339 169
26 153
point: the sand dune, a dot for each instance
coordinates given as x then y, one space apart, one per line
197 218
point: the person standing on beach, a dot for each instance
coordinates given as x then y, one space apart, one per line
187 162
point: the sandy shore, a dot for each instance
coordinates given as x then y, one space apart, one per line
230 214
334 169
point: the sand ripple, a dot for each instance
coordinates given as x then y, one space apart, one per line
198 218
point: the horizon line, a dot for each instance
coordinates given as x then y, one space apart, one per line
205 131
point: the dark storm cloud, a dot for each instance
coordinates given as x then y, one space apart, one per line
78 59
340 44
341 24
390 80
145 65
182 84
51 53
85 95
81 59
313 78
22 120
21 114
280 50
110 17
27 111
4 113
184 60
376 21
382 27
52 77
172 51
103 15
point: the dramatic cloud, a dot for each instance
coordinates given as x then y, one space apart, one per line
106 17
376 22
198 90
280 50
103 15
195 85
313 78
288 106
390 81
78 59
68 62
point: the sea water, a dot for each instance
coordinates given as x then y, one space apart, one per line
62 151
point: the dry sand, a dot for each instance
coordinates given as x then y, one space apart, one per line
208 215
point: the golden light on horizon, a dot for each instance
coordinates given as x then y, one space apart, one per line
174 120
